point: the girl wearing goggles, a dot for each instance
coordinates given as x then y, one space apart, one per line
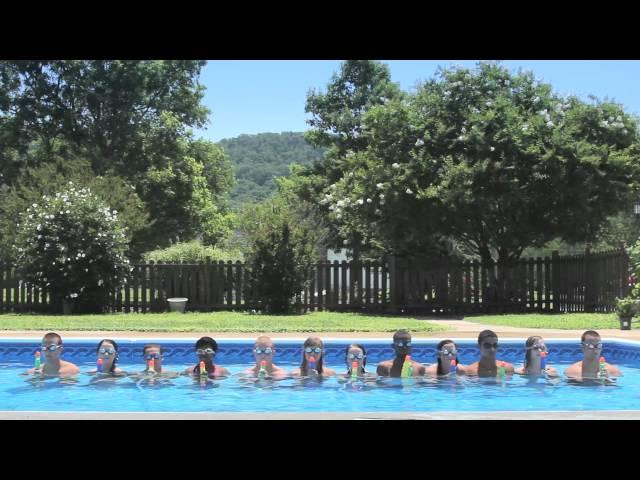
535 358
312 363
107 351
447 352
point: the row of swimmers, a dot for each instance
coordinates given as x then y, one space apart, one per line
312 363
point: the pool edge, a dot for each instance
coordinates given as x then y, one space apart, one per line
498 415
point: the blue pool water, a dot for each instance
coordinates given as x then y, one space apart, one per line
233 395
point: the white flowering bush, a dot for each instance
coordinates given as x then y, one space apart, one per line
73 246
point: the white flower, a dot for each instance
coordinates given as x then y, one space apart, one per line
461 137
340 204
447 93
536 99
332 186
100 282
38 227
618 118
35 205
380 185
345 242
419 142
492 148
67 211
525 127
73 295
360 201
489 103
381 196
395 165
549 123
409 191
339 215
369 200
463 130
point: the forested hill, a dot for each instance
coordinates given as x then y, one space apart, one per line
257 159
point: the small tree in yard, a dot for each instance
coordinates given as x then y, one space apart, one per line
73 246
276 265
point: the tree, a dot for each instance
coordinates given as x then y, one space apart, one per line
129 119
179 199
494 159
280 243
337 124
104 109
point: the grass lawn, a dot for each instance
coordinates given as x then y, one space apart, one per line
232 322
562 321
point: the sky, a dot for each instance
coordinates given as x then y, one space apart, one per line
257 96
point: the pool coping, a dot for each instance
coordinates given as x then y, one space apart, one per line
498 415
297 340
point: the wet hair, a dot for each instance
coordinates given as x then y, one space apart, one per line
486 334
364 355
151 345
264 339
304 365
53 335
589 333
529 343
115 346
441 370
205 342
403 332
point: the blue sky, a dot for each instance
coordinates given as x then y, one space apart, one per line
255 96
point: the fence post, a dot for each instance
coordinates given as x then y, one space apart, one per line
555 280
393 299
588 286
626 273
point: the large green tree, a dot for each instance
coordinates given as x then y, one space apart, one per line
105 109
494 159
130 119
337 124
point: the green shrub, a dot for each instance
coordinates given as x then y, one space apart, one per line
626 307
277 264
192 252
73 246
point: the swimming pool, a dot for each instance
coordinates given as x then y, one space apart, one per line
183 394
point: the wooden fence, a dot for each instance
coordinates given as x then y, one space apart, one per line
589 282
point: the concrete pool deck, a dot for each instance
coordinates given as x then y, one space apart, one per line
455 328
499 415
